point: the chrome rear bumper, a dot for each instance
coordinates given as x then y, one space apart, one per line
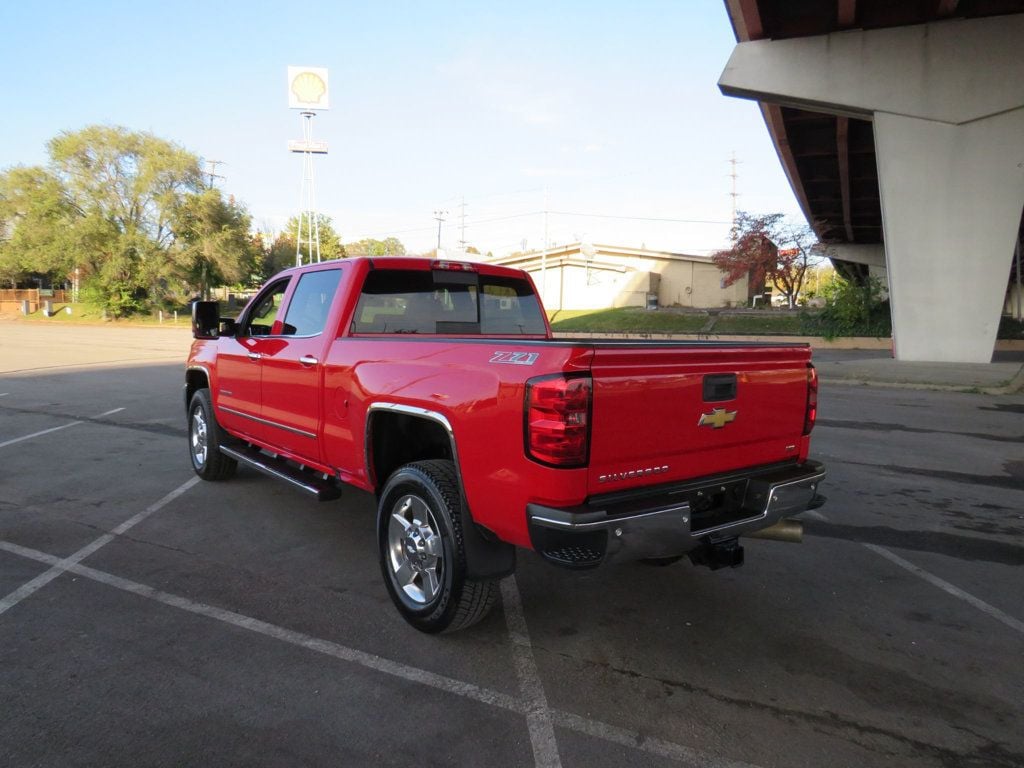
674 519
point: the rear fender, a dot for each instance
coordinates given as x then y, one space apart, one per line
422 431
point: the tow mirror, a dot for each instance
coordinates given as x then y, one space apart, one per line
228 326
205 319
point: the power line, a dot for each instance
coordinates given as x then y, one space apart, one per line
431 228
637 218
716 222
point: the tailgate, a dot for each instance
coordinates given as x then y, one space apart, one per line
674 412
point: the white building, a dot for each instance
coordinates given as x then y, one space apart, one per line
580 276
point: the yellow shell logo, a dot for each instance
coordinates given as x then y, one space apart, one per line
309 88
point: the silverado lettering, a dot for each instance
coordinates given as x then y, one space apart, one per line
632 473
439 387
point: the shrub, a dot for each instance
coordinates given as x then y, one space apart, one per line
851 310
1010 328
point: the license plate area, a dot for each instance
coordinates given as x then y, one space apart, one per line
717 505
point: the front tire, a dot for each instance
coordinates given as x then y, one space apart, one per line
422 556
205 436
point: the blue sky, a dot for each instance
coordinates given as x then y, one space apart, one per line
613 108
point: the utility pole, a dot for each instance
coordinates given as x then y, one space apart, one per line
439 215
212 173
544 253
734 194
462 224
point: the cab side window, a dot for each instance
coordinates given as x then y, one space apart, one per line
311 302
260 318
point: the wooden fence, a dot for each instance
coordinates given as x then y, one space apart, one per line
11 298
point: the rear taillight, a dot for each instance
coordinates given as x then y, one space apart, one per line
558 419
811 415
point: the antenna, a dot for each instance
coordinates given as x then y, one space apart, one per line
462 225
734 194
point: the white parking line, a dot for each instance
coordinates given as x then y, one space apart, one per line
568 720
948 588
67 563
935 581
538 716
39 433
4 394
57 429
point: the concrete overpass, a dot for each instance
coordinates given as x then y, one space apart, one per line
901 129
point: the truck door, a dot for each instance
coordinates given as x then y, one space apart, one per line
293 367
239 363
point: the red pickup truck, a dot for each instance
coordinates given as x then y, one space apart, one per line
438 386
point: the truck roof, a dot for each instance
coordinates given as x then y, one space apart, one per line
415 263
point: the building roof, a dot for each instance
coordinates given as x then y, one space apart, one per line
602 253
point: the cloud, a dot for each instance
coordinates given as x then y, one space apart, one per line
536 172
521 92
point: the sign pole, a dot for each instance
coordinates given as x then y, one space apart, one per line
307 91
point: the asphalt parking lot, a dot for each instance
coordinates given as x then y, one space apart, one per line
150 619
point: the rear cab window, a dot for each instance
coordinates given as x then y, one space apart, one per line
408 301
310 303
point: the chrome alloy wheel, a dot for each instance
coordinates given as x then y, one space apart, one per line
415 551
198 437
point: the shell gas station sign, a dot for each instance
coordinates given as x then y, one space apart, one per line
307 88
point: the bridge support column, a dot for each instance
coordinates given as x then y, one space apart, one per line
951 205
947 102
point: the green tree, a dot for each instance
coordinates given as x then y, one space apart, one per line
126 188
213 241
35 215
390 246
330 241
278 254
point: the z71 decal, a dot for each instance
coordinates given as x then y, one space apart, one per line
515 358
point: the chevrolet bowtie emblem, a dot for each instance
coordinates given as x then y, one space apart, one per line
717 419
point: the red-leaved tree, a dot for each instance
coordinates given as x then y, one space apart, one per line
770 248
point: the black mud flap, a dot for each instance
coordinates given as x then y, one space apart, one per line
486 557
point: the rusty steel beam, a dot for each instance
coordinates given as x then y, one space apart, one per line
843 155
846 13
777 129
746 19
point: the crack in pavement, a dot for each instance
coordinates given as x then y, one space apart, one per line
990 753
155 429
970 548
878 426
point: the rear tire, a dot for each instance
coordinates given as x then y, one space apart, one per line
205 437
422 555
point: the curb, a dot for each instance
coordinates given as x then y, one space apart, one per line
1011 387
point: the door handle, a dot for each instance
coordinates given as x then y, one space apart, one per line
255 355
308 360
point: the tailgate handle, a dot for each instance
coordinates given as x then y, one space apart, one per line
719 387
